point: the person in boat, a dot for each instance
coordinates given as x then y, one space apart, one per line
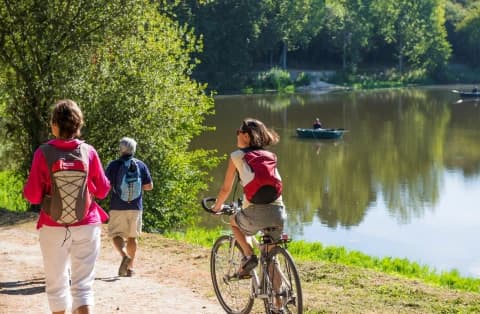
317 124
475 90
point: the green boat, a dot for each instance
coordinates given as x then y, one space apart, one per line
320 133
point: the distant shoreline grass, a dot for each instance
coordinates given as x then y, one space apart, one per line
315 251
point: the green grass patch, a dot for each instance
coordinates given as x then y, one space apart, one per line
374 78
315 251
399 266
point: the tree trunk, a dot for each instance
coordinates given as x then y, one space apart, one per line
283 56
400 57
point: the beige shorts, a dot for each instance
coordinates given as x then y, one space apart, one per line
125 223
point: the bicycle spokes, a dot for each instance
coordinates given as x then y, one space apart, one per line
286 293
234 294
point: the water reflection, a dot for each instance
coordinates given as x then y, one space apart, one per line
394 160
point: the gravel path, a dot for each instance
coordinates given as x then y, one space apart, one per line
154 289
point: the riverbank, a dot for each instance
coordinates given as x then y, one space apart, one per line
173 277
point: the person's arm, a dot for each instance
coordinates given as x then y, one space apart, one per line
147 182
226 186
148 186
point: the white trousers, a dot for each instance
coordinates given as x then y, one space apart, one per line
69 254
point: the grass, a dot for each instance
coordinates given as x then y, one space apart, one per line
311 252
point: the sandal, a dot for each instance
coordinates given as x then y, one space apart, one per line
122 270
247 265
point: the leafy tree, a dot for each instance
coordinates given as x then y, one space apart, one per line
417 30
454 13
140 87
131 77
469 32
350 26
290 23
229 29
42 45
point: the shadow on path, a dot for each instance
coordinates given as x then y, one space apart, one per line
25 287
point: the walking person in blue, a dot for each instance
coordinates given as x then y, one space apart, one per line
129 177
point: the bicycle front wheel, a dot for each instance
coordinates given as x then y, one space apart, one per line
284 284
234 295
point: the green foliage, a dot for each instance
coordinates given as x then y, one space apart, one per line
350 27
384 79
417 31
469 32
459 73
289 23
229 30
139 87
42 45
199 236
128 67
11 187
275 79
303 79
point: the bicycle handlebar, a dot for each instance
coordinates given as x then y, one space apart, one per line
208 202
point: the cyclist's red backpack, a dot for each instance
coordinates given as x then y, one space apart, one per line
266 186
69 198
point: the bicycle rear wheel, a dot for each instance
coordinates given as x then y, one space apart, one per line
284 284
234 295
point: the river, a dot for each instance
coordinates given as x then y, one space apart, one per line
404 181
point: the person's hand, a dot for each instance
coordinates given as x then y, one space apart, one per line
215 208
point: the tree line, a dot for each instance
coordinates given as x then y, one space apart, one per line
140 68
408 36
127 64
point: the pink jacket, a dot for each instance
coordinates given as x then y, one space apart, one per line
38 184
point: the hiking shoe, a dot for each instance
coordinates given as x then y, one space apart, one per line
247 265
122 270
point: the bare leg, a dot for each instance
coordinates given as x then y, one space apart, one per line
131 250
276 279
241 238
119 244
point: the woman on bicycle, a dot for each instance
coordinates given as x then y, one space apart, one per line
254 216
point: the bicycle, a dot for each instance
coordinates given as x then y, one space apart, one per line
275 280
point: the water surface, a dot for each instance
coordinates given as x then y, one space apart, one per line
403 182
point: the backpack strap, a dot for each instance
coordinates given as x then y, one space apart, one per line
122 162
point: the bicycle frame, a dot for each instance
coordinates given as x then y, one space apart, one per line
262 278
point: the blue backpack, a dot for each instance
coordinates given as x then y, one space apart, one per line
129 181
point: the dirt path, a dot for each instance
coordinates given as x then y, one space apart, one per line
165 282
174 277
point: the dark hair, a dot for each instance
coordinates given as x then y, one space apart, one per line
68 117
260 135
